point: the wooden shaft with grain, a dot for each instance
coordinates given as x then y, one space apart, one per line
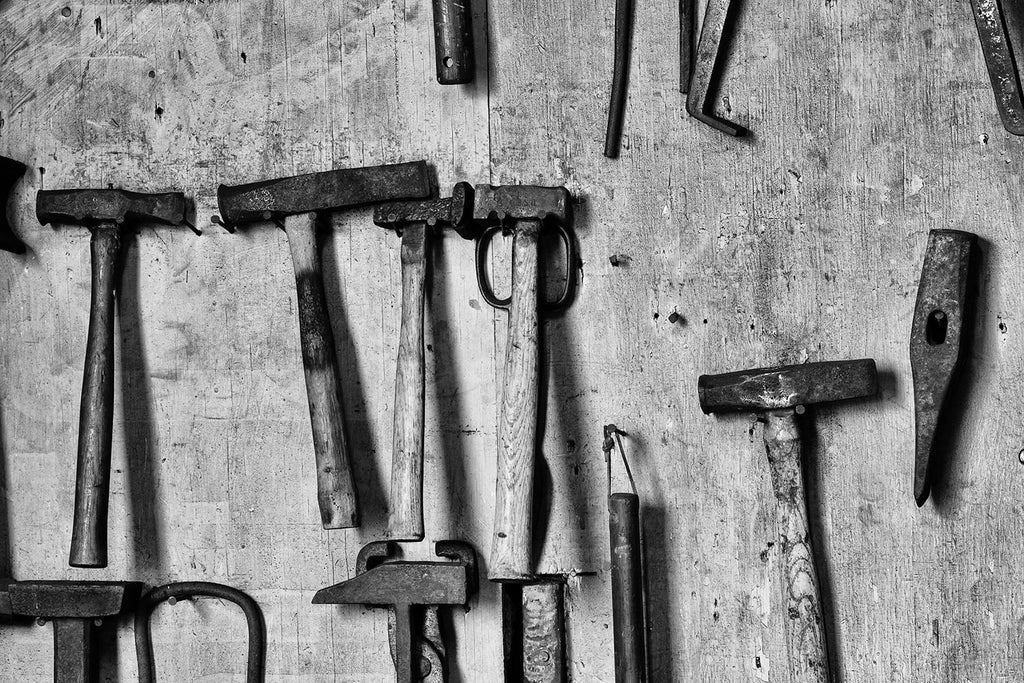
405 519
517 423
336 492
96 419
805 627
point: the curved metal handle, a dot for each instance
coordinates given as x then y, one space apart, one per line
192 589
484 283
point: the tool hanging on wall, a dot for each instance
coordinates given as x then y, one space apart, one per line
453 41
413 591
624 10
707 64
75 608
10 172
779 394
524 212
297 202
533 626
942 319
626 546
1001 32
107 214
687 31
417 223
188 590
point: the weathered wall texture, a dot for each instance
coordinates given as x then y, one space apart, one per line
872 123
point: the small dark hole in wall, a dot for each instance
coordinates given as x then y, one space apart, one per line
935 328
66 12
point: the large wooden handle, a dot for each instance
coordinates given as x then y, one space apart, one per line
72 651
517 423
627 588
96 421
336 492
805 628
405 520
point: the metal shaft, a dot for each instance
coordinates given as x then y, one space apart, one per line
620 77
453 42
627 588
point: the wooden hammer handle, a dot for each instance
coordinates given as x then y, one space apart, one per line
336 492
405 519
805 628
96 421
517 423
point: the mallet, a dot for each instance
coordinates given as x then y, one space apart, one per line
296 201
780 393
10 172
106 213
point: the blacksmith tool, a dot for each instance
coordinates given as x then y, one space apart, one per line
717 21
627 570
687 31
296 201
1002 41
780 394
107 213
941 319
416 222
173 592
413 591
74 607
620 77
525 212
10 172
453 41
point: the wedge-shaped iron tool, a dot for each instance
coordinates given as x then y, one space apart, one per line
1002 42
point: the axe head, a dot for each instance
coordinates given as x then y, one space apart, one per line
71 599
787 386
10 172
92 207
489 205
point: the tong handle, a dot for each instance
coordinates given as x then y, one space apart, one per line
484 282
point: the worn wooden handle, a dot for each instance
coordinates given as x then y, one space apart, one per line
805 627
335 490
96 421
627 588
72 651
517 423
405 520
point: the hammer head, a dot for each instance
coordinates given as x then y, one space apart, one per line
432 212
493 205
71 599
91 207
787 386
10 172
327 191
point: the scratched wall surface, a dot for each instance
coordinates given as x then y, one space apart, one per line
872 123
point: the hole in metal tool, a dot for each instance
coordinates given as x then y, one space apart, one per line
935 328
448 61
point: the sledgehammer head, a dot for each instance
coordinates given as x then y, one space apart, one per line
91 207
10 172
495 204
787 386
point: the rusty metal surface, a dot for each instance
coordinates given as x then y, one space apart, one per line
193 589
326 191
941 317
89 207
10 172
706 66
999 35
453 41
624 10
787 386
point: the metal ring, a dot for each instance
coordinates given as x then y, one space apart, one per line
481 269
190 589
484 284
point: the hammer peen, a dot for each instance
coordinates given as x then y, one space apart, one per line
780 394
106 213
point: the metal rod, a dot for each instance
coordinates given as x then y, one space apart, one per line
620 77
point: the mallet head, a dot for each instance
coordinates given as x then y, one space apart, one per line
71 599
489 205
787 386
93 207
10 172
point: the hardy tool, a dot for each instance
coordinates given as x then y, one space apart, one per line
75 608
297 201
10 172
453 41
416 222
525 212
706 66
1001 32
941 319
780 394
413 591
107 214
188 590
626 547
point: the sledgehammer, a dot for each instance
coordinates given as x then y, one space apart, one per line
106 213
296 201
780 394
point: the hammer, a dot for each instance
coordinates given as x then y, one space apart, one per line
296 201
780 394
74 607
524 211
106 213
10 172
